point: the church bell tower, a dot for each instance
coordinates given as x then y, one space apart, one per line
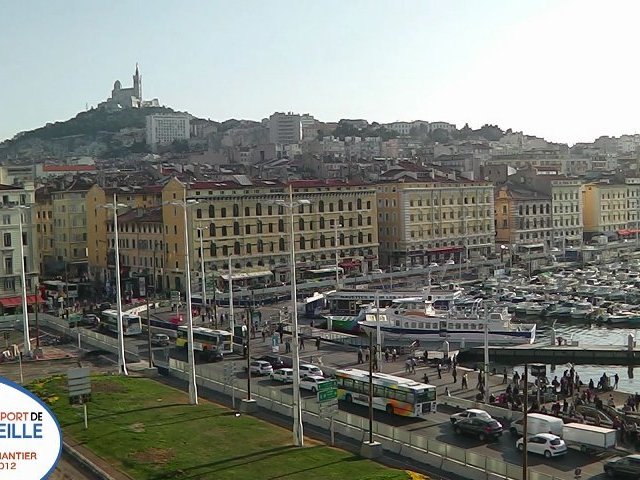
137 84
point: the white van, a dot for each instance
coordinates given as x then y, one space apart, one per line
538 423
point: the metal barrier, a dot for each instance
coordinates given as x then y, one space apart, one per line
438 454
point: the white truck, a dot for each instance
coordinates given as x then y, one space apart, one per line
588 438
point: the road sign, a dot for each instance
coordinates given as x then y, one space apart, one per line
538 369
79 383
327 391
175 296
328 409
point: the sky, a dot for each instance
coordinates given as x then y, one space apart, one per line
566 70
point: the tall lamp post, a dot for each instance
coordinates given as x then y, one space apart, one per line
337 225
122 364
298 435
193 389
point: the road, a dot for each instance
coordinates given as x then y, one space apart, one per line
436 427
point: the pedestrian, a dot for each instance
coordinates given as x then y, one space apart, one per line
366 355
407 366
504 376
264 336
616 379
439 371
425 378
301 342
318 343
465 381
386 355
455 375
394 355
311 324
287 346
446 391
375 364
359 355
413 365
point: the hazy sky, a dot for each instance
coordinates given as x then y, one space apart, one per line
565 70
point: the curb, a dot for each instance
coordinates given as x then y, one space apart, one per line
85 462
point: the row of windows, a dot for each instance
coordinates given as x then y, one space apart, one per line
281 210
302 244
450 216
449 231
259 226
436 201
359 386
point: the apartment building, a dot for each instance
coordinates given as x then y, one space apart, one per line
164 128
12 198
100 242
611 208
434 219
566 203
523 217
243 221
285 128
44 232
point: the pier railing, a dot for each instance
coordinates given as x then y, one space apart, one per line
429 451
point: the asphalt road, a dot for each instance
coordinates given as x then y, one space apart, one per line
436 427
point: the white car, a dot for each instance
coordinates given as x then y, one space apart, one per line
310 382
433 265
306 370
546 444
260 367
470 413
284 375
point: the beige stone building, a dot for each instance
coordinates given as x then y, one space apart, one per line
100 241
434 219
242 221
43 209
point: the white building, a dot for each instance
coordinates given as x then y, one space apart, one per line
11 198
164 128
285 128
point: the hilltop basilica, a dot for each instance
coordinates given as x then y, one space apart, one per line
127 97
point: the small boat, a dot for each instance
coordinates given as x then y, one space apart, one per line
581 310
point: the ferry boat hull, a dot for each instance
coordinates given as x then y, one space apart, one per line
526 335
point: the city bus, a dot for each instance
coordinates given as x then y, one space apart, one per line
395 395
131 324
205 339
319 274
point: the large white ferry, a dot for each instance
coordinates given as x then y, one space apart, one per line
410 319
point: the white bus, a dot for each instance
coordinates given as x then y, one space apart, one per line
205 339
57 288
395 395
131 324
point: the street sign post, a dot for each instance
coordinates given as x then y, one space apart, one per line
79 383
328 399
327 391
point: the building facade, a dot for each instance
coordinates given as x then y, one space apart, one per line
44 231
605 208
434 220
14 209
244 223
164 128
285 128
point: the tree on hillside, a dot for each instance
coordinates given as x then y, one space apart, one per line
490 132
439 135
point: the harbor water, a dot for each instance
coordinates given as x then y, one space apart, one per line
586 334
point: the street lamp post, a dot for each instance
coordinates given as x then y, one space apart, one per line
193 389
122 364
298 434
232 323
337 225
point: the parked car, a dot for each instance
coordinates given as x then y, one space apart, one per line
545 444
284 375
307 369
214 355
160 340
90 320
104 306
310 382
483 428
627 467
260 367
470 413
376 271
276 361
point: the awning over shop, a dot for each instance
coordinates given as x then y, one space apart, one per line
445 249
10 302
247 275
533 245
350 264
627 232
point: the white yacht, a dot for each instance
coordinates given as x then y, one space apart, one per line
415 319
